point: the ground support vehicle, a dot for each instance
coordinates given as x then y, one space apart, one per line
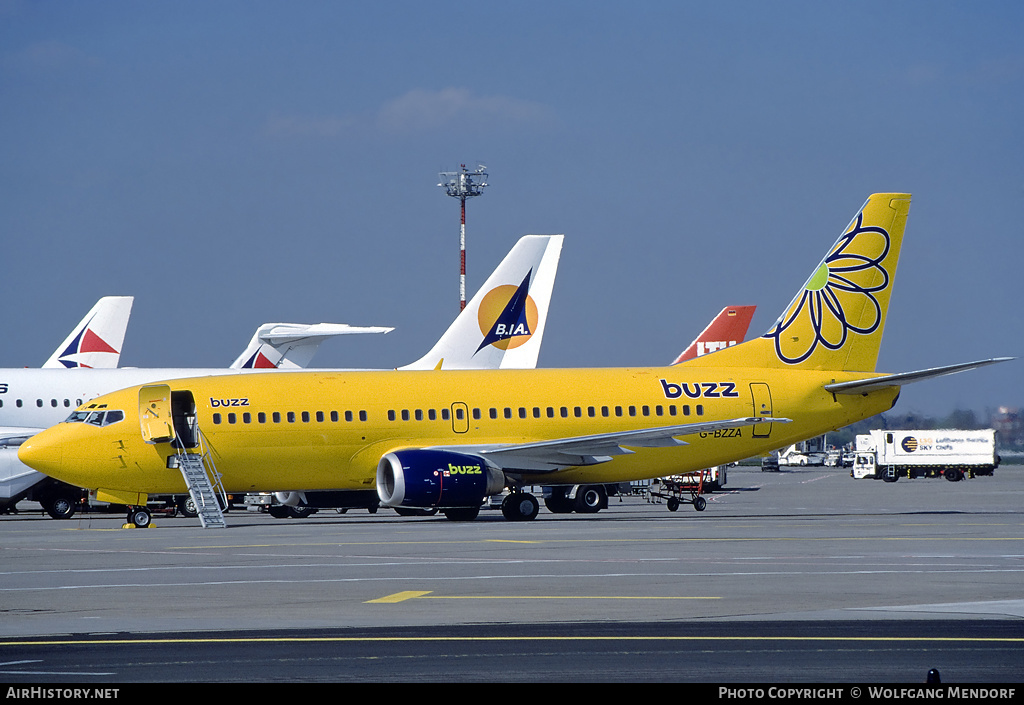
687 488
953 454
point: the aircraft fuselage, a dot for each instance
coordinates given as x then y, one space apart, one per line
328 430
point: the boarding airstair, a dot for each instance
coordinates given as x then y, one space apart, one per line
204 486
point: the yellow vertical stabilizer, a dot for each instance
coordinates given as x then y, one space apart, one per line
835 321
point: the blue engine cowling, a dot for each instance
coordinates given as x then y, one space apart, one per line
435 478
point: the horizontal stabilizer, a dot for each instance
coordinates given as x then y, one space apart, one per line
863 386
292 345
279 333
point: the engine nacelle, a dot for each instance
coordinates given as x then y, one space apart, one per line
435 478
290 499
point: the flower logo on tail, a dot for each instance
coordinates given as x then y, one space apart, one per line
839 298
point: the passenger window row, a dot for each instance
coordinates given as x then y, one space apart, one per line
289 417
551 412
507 412
55 403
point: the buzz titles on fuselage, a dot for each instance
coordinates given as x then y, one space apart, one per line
699 390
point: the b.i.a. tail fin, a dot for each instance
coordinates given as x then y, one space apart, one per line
503 324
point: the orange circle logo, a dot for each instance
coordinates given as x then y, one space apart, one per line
510 333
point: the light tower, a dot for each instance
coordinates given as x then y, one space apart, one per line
463 184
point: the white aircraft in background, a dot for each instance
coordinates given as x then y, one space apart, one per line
94 343
501 327
44 396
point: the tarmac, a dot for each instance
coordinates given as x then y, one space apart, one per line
807 546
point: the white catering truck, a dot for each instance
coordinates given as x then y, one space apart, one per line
889 455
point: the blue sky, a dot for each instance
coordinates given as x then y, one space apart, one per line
233 163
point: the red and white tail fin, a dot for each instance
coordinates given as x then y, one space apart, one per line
728 328
96 341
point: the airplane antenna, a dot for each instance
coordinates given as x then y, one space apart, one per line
463 184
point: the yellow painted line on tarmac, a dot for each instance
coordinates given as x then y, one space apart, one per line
22 643
634 540
412 594
398 597
572 597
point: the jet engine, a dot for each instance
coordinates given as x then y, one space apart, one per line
435 478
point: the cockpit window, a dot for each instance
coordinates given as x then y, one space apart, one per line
96 418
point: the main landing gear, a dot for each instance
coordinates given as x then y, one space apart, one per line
520 506
138 518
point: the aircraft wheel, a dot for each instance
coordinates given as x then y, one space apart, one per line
699 503
139 516
61 506
557 502
187 507
461 513
672 504
520 506
302 511
589 499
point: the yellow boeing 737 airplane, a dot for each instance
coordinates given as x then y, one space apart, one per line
449 439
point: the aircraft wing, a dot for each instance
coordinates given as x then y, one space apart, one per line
863 386
557 454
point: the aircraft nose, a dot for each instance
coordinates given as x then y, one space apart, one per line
42 452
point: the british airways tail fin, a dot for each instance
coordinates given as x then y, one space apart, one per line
836 319
728 328
503 324
96 341
292 345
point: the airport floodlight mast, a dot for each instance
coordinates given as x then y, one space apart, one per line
463 184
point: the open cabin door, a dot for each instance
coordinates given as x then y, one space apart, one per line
168 417
186 425
155 413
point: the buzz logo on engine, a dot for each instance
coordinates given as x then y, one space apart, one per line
464 469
